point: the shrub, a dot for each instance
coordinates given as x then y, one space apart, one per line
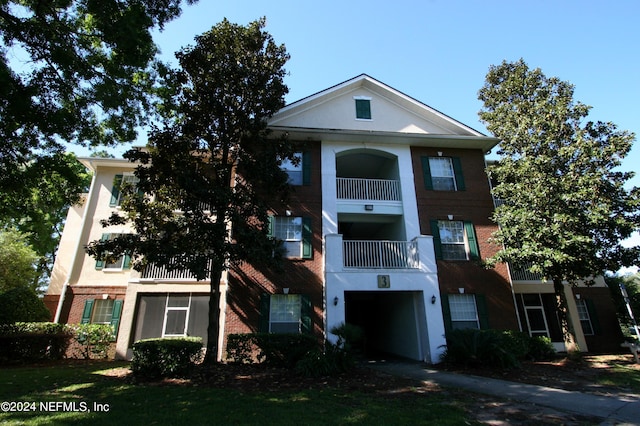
517 343
94 340
22 304
334 360
280 350
175 357
540 348
350 338
33 341
471 347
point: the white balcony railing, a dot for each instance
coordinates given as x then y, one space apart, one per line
159 272
368 189
381 254
522 273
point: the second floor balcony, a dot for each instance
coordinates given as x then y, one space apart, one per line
160 273
368 189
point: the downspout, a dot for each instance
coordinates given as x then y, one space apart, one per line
76 253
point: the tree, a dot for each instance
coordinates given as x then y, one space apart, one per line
213 161
17 260
565 209
71 71
22 304
38 207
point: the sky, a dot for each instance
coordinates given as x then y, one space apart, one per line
439 51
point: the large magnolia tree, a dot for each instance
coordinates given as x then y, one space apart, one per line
213 162
71 71
566 209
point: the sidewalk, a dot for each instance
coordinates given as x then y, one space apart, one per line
624 409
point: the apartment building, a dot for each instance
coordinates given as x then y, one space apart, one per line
386 228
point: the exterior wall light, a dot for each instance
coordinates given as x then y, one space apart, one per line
335 301
433 299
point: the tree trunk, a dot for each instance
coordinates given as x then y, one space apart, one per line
568 332
213 329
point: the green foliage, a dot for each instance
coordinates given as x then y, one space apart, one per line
566 210
216 107
93 339
22 304
21 342
281 350
17 261
494 348
332 361
175 357
541 348
350 338
473 348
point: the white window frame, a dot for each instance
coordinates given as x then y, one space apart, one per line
285 309
450 239
119 264
584 317
171 309
128 178
463 309
442 171
290 233
363 98
102 311
295 172
538 307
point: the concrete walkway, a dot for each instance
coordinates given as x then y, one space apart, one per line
621 408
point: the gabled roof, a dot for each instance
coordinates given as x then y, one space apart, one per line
330 114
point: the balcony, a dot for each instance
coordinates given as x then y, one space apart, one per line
412 256
521 273
368 189
381 254
156 272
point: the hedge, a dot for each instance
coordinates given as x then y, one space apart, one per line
169 357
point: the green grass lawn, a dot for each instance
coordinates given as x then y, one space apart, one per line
106 400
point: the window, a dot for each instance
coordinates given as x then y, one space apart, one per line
443 174
176 315
117 264
102 311
464 313
535 316
300 173
454 240
171 314
295 234
285 313
585 318
119 182
363 108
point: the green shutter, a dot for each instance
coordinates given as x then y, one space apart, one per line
363 109
457 171
306 168
265 304
307 248
426 172
86 312
437 245
474 250
115 316
446 312
100 263
306 311
593 316
483 314
270 226
115 190
126 262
